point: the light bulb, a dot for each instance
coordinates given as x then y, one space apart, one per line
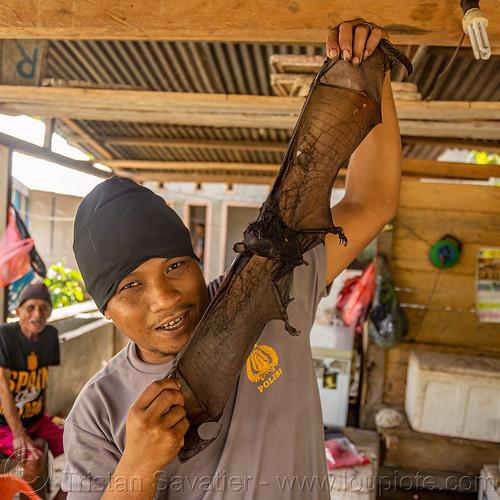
474 24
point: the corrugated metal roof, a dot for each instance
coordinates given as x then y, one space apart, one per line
227 68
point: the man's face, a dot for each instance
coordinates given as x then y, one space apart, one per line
158 306
33 315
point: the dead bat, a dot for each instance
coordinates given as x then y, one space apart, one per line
343 105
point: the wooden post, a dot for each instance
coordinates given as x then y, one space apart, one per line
49 130
5 186
372 384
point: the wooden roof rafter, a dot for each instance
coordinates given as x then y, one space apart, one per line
302 21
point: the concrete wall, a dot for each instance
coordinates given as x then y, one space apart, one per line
215 197
82 356
51 218
238 218
223 227
87 341
84 351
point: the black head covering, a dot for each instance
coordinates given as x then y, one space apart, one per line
35 291
120 225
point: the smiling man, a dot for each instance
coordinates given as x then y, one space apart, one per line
128 423
168 297
27 348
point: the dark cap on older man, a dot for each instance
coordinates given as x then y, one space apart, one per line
120 225
35 291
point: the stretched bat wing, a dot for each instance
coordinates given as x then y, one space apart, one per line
343 105
209 365
340 111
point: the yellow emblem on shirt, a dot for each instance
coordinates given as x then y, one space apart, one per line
262 361
32 362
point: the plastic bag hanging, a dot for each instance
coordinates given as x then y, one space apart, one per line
353 311
36 261
387 321
14 253
16 288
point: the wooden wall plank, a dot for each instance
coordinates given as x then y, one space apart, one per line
412 254
452 328
440 303
460 197
432 224
440 289
421 22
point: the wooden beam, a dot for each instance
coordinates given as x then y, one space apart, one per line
487 130
180 108
83 137
372 382
45 154
445 169
162 176
153 106
302 21
411 167
188 165
448 110
279 147
49 131
445 142
159 142
420 451
230 110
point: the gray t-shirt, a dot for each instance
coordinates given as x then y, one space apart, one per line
271 442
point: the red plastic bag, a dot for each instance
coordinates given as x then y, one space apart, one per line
355 307
14 253
341 452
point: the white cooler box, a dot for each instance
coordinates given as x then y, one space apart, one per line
453 395
489 483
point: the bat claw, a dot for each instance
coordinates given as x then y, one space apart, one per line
193 443
239 247
341 234
283 305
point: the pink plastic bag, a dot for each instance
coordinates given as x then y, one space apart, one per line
341 452
360 297
14 253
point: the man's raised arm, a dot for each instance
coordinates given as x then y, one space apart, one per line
373 177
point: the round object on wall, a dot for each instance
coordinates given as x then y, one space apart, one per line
446 252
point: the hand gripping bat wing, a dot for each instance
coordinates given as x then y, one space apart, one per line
343 105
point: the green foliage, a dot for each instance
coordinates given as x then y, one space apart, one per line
482 158
65 285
